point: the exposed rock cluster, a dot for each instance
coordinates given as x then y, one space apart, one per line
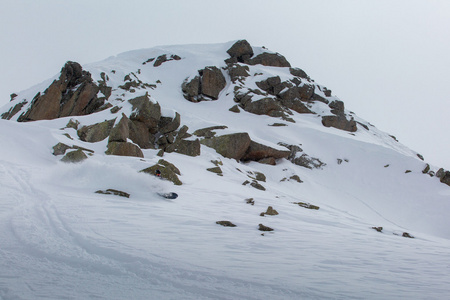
73 94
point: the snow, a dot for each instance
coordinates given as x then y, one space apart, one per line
61 240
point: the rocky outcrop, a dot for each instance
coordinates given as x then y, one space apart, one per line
270 212
262 227
445 177
270 60
257 152
120 131
13 110
96 132
339 119
208 132
163 58
73 94
230 145
298 73
302 159
206 86
241 51
186 147
74 156
212 82
168 171
340 122
60 149
124 149
140 134
168 124
238 72
225 223
146 111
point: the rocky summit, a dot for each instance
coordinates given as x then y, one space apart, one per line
248 141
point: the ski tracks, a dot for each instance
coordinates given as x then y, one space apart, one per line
42 257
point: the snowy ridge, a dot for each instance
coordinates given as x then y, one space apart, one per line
60 239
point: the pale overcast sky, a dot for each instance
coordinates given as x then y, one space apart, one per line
388 60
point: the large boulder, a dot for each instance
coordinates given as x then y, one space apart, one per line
296 105
73 94
230 145
206 86
191 89
238 72
270 84
146 111
74 156
339 122
96 132
186 147
257 151
123 149
121 131
445 178
241 51
168 124
270 60
212 82
140 134
266 106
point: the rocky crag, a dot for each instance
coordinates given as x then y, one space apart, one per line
138 107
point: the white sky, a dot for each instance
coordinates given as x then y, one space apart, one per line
388 60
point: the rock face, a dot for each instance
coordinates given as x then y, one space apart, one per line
124 149
146 111
230 145
96 132
257 152
206 86
339 122
270 60
74 156
445 178
73 94
212 82
241 51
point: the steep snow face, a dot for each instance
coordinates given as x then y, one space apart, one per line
60 239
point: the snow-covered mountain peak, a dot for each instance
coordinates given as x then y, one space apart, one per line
234 129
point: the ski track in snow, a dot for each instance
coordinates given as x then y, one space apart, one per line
44 256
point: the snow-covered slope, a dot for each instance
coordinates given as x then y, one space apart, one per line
61 240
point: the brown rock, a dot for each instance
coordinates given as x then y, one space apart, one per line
231 145
167 124
73 94
140 134
124 149
120 132
258 151
191 89
339 122
95 133
212 82
146 111
241 50
270 59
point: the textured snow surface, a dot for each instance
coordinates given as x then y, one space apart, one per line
60 240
